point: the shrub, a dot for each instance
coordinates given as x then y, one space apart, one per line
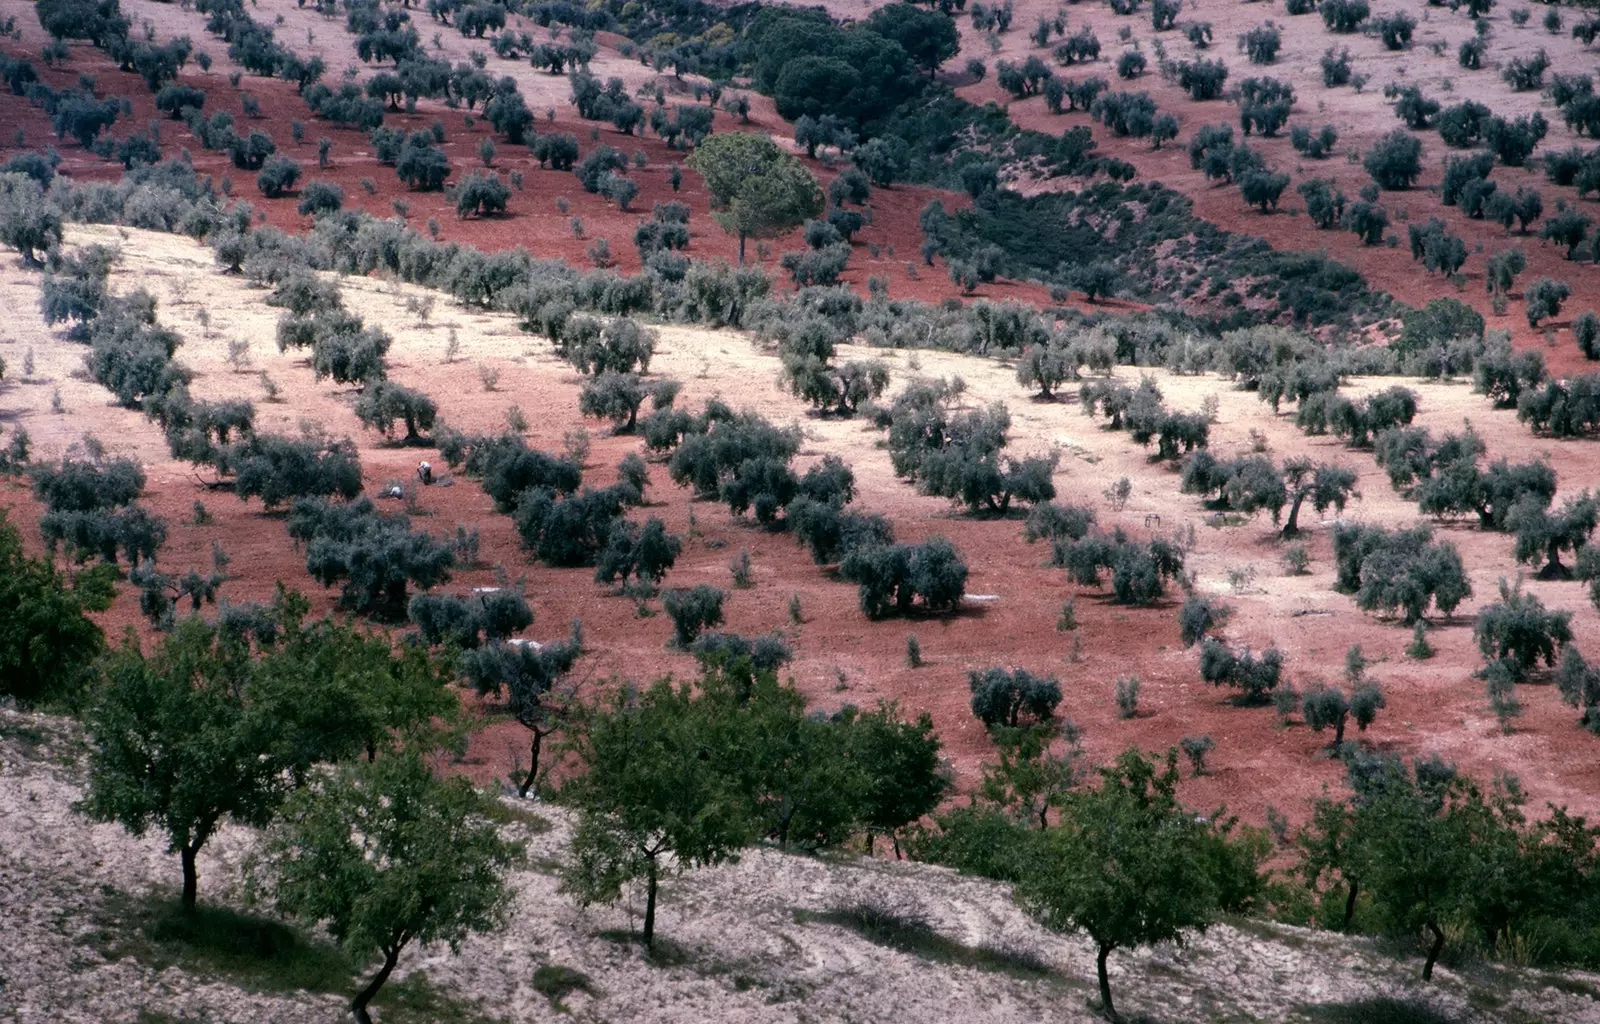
1202 79
1586 333
320 197
1261 44
376 555
1401 570
1343 16
692 611
1139 572
1525 74
481 194
1198 617
893 577
29 222
1544 298
1395 29
1126 694
1002 698
1336 69
421 164
1394 161
382 403
1256 677
646 553
1461 125
1519 632
277 176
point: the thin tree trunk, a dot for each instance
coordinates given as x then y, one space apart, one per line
358 1005
1350 903
533 767
1292 527
1433 951
1105 985
894 838
741 248
191 877
650 905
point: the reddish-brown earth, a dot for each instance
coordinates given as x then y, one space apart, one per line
1433 706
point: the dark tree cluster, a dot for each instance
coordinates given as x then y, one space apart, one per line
91 509
1398 571
676 777
1141 412
1139 573
957 455
375 555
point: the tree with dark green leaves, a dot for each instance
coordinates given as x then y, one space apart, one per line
1001 698
1031 779
218 723
47 641
1130 866
386 854
29 222
758 190
649 800
903 777
929 37
179 749
1542 535
1520 632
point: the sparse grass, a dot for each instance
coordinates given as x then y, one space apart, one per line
255 953
28 737
1377 1010
556 983
909 934
503 813
665 952
416 1000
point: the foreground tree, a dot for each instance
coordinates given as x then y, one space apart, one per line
757 189
385 854
178 749
47 641
649 799
1130 866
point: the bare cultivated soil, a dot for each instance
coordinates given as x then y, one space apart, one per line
742 953
1434 706
758 940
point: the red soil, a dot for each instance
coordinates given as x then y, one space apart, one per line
1432 705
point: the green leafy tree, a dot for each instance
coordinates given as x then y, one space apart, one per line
385 854
1128 865
47 641
178 749
903 776
1030 778
1519 631
758 190
928 36
648 799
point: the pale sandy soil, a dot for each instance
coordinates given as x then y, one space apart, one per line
740 952
1434 706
